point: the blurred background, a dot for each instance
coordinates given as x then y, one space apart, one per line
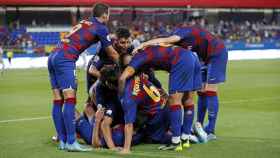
31 28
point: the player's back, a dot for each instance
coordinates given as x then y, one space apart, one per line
143 94
157 57
84 34
200 40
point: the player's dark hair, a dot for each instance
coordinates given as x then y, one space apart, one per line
99 9
109 74
122 33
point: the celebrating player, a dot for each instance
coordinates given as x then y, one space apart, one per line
61 66
183 67
213 54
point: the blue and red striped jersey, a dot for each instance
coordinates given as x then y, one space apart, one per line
82 36
201 41
157 57
140 94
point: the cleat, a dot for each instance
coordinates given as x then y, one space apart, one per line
76 147
61 145
211 137
194 139
186 143
202 135
172 146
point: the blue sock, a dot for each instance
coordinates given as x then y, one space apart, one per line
188 119
201 107
213 108
175 116
57 116
69 119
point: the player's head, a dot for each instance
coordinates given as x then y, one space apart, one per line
109 76
125 60
101 11
123 40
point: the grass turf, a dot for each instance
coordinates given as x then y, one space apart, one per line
248 124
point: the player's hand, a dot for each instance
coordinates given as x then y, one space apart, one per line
124 151
99 114
135 50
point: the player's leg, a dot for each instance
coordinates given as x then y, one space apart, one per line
57 114
175 116
201 102
67 82
188 105
216 74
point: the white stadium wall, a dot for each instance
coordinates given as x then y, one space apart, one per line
41 62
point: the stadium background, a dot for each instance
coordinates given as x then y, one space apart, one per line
249 118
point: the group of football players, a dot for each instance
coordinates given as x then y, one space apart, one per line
126 103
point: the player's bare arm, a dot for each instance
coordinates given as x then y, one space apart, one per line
96 132
166 40
128 72
94 72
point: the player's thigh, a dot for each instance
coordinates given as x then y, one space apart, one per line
67 81
216 69
52 74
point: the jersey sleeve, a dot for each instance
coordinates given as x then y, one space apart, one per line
97 63
104 37
182 33
138 60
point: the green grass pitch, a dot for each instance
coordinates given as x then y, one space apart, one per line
248 123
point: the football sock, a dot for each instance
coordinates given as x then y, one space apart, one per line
213 108
69 119
201 107
57 116
188 119
175 116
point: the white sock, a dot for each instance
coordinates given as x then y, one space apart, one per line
176 140
185 136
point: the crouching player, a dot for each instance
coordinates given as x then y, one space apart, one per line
184 77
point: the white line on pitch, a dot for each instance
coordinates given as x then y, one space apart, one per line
223 102
25 119
250 100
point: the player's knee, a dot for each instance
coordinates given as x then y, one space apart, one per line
107 121
69 93
211 87
57 94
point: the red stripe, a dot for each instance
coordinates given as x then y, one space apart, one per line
58 102
189 107
201 94
71 101
211 93
175 107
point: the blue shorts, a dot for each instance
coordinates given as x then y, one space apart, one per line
61 71
114 110
85 129
156 128
182 74
215 71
